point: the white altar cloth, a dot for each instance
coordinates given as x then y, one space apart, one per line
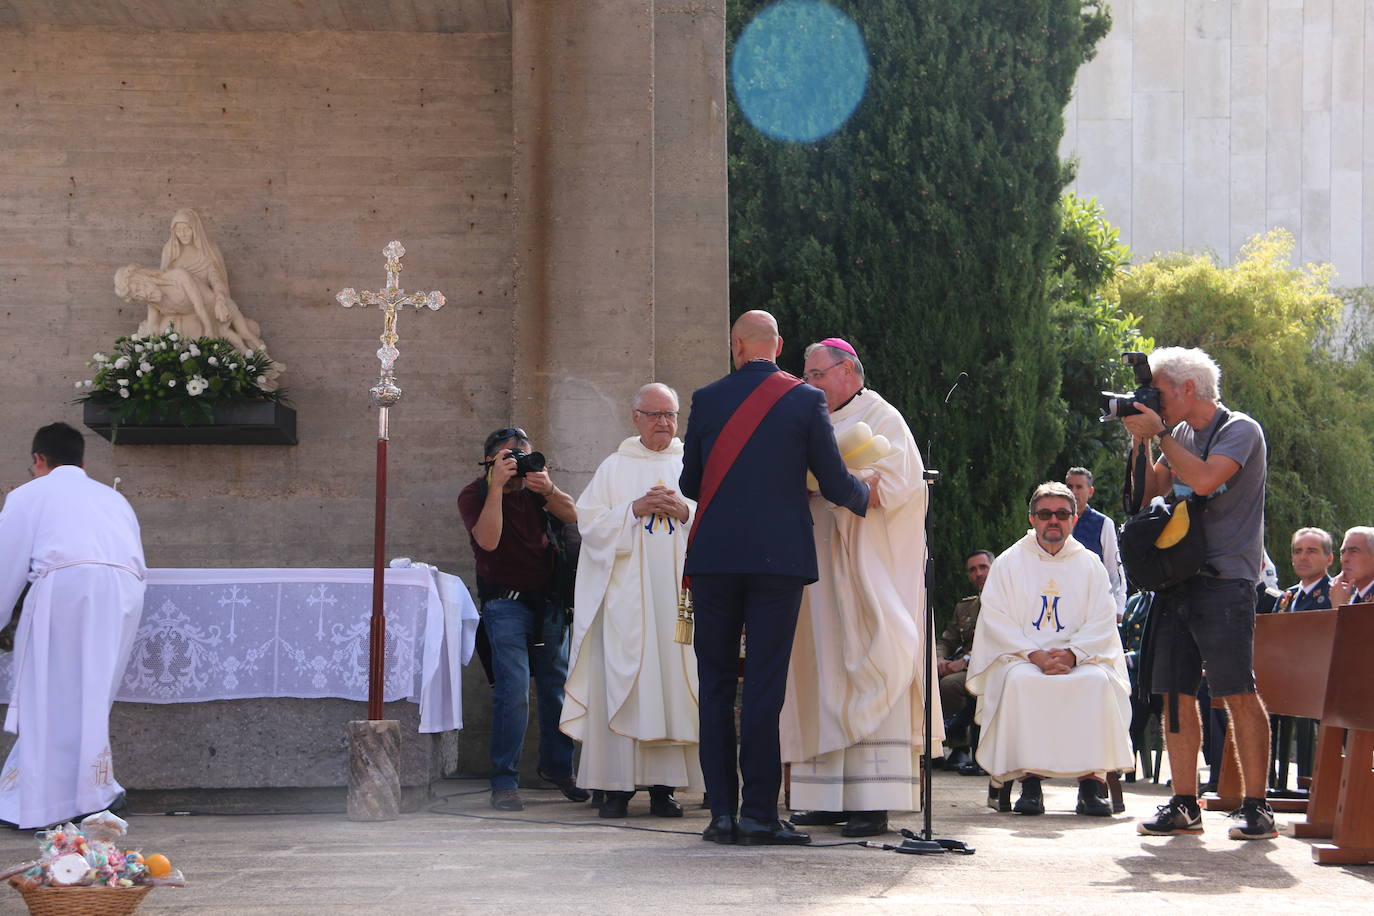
237 634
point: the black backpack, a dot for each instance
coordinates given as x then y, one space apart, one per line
1155 560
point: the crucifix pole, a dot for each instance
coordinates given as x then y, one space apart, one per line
385 394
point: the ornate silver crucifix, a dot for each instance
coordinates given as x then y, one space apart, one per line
384 394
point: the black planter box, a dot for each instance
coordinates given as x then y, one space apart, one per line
258 423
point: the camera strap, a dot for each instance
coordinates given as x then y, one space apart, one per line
734 435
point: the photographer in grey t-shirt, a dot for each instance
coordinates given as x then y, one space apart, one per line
1210 619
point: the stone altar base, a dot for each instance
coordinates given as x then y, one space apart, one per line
374 764
259 756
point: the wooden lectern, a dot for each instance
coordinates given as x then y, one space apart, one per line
1350 706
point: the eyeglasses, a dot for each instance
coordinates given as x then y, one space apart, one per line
1046 514
815 374
657 415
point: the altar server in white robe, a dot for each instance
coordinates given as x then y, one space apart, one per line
77 541
631 694
1047 664
852 724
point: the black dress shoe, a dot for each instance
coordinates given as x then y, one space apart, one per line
818 818
568 786
662 803
616 804
958 757
721 830
598 796
865 823
749 832
1090 800
1032 800
972 769
999 797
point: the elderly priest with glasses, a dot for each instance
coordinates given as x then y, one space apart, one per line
631 696
1048 666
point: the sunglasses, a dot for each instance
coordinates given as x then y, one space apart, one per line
1046 514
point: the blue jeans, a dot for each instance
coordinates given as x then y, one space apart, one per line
509 625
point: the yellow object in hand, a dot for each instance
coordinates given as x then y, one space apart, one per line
1176 529
859 448
158 865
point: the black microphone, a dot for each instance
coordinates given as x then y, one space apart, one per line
963 377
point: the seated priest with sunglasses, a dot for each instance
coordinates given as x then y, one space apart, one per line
1047 664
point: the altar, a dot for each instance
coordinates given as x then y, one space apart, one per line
245 678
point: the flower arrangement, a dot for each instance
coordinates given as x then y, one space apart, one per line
167 375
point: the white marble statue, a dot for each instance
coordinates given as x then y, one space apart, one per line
190 290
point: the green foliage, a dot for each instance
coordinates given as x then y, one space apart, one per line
166 375
1269 325
1092 332
925 232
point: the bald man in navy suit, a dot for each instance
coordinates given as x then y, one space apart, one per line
752 555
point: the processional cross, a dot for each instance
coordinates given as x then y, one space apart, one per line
385 394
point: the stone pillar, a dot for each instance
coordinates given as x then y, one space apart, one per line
619 202
374 770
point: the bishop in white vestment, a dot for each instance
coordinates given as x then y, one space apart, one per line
77 541
631 693
853 721
1047 663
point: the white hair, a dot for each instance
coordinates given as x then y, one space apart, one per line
654 386
1366 532
1188 364
836 354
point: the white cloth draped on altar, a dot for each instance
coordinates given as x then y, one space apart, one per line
236 634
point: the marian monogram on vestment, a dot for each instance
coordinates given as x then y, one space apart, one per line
1049 609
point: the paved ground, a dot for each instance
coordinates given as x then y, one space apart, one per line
557 857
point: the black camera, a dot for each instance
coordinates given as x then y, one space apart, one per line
527 462
1115 406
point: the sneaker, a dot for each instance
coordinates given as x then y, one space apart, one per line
1258 822
1172 819
506 800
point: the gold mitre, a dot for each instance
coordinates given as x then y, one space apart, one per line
859 448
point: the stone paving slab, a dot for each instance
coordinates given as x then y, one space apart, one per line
460 856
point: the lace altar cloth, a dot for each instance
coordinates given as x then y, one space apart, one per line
236 634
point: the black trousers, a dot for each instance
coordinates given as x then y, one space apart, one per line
766 607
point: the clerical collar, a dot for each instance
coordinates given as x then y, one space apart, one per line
848 399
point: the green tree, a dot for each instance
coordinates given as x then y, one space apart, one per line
924 231
1093 331
1269 325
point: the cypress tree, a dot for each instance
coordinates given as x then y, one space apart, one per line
924 232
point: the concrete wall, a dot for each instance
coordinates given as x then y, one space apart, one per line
1204 122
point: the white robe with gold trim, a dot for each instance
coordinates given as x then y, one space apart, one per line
1072 724
853 720
78 542
631 694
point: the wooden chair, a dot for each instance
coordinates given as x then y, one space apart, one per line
1350 706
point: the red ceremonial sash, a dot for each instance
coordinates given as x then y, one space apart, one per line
736 433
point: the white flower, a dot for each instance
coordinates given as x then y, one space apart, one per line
123 383
138 372
195 386
248 354
122 362
195 350
146 366
212 361
101 358
172 336
233 365
184 356
262 380
124 392
78 385
138 348
171 383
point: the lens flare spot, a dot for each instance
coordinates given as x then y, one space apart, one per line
799 70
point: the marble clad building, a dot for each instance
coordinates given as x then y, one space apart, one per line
1204 122
556 169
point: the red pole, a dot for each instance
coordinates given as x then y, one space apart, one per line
376 667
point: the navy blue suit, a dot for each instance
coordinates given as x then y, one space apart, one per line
753 553
1318 599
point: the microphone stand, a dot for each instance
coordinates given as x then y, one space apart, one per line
926 842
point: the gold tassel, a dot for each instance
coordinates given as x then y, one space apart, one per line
683 634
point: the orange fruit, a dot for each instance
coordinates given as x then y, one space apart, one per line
158 865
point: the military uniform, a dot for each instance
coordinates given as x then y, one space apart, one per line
956 642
